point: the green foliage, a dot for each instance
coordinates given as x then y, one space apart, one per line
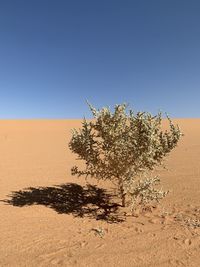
122 147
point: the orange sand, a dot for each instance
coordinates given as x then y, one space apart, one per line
44 227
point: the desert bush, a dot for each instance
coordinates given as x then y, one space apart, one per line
124 147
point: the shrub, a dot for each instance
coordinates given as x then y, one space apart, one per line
125 148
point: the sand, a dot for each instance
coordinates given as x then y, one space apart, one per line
55 223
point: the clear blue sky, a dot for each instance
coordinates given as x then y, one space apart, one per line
55 54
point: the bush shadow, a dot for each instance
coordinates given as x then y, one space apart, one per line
70 198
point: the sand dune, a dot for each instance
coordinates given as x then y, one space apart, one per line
61 222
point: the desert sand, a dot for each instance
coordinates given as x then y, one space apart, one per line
50 218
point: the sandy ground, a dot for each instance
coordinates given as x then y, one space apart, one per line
60 222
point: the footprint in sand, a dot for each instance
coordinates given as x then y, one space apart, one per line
155 221
187 242
139 230
174 262
100 246
56 262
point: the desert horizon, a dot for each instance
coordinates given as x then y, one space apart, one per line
47 218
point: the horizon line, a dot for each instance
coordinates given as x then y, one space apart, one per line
43 118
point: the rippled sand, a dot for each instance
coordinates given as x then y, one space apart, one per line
49 218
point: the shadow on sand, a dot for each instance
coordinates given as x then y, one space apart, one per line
70 198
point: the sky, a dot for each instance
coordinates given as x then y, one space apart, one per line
56 54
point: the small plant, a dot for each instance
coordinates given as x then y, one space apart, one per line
125 148
99 231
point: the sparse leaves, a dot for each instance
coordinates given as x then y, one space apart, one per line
144 192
